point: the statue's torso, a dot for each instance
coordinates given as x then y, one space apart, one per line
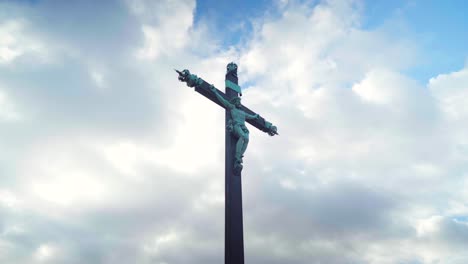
238 116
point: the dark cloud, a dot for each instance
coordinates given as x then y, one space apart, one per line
454 232
101 29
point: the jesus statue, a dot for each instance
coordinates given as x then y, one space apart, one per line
237 125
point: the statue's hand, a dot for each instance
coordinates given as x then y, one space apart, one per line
273 131
257 116
183 75
191 79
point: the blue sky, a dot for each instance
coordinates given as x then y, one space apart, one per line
105 157
438 26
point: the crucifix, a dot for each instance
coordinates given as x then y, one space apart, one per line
236 139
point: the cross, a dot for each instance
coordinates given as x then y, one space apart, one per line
236 139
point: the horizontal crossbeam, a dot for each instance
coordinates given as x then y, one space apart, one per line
204 88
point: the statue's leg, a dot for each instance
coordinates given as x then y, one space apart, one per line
244 135
246 142
239 148
240 143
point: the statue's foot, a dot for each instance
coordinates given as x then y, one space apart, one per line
238 168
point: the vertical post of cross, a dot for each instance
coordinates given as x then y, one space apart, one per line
234 232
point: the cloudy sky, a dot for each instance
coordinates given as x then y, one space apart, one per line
106 158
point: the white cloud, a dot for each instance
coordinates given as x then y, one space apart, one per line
165 27
8 49
451 92
369 166
8 110
45 252
384 87
8 199
16 41
386 132
157 245
98 78
57 176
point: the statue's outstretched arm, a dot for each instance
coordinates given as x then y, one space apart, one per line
223 101
248 116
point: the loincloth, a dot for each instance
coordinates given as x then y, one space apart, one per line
232 125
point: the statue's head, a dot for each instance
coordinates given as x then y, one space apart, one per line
231 67
236 101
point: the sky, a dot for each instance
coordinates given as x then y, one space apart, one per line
107 158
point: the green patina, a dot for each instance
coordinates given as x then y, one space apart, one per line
236 125
192 80
233 86
271 129
236 140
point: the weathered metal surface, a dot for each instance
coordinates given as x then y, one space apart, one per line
236 143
